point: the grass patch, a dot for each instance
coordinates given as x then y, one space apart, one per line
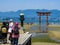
54 26
43 39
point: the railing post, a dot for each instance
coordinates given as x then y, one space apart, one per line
29 42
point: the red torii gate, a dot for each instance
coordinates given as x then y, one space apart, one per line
43 14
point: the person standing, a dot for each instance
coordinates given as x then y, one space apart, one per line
10 29
15 34
10 25
7 24
0 33
4 33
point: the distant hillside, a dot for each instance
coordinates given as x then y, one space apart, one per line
30 13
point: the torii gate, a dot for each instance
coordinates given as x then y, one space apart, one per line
43 14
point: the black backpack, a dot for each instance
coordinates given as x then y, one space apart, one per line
15 31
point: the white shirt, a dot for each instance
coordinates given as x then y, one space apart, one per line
10 27
10 24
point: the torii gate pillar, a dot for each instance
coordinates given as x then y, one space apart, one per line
43 14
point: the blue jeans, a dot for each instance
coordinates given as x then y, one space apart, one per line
14 41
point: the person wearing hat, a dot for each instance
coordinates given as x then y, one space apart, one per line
10 29
15 34
10 25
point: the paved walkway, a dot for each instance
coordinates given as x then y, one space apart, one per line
39 43
44 43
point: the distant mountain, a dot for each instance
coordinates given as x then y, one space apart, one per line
29 13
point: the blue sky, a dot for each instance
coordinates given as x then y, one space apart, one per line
14 5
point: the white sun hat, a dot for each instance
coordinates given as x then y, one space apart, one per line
11 20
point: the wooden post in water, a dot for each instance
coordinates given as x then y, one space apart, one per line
40 23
